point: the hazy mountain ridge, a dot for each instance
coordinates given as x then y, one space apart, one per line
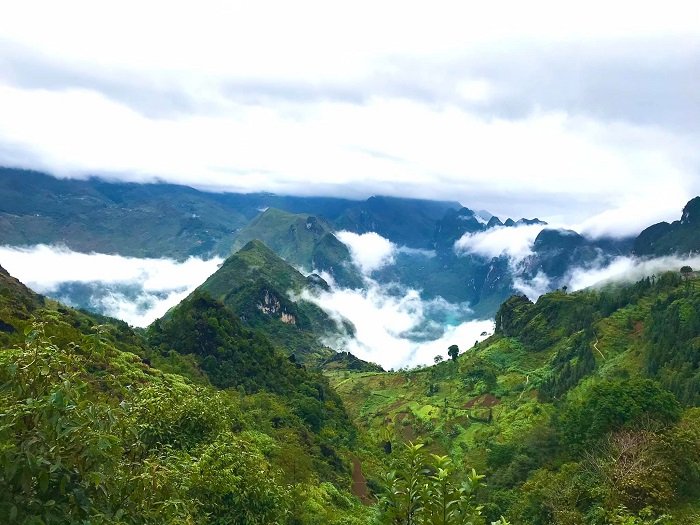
682 236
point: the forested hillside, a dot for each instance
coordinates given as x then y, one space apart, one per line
582 408
94 431
256 284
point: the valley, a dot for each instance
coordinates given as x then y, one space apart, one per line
564 409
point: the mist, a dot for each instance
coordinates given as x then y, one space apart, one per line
134 290
395 327
627 270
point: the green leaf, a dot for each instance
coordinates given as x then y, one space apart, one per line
43 481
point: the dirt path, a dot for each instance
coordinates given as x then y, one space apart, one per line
595 345
359 483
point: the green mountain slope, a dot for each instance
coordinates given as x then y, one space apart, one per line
130 219
255 284
93 432
556 406
302 240
679 237
406 222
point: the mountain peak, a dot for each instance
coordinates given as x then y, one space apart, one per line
691 212
256 245
680 237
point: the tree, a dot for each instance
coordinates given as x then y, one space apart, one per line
453 352
438 359
427 489
686 271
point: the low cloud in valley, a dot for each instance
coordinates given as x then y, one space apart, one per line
514 242
389 323
135 290
369 251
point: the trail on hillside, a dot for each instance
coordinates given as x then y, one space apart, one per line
595 345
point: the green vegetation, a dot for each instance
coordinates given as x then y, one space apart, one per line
302 240
255 284
91 432
581 409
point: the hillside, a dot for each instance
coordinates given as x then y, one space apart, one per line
556 406
575 411
303 240
255 284
679 237
168 220
406 222
93 431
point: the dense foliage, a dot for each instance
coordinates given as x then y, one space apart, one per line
91 433
254 283
581 409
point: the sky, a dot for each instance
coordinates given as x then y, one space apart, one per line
584 114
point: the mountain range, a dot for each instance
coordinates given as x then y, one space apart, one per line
273 238
575 410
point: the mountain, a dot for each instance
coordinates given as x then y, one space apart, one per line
93 428
680 237
557 251
161 220
303 240
581 408
256 284
577 407
17 299
167 220
454 224
406 222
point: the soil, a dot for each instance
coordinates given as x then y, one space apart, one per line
359 483
484 401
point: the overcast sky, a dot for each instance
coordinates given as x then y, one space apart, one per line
585 114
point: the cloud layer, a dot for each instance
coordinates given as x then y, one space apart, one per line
137 291
565 116
391 325
369 251
627 269
515 242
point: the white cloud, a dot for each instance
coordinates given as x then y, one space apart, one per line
385 321
627 269
369 251
621 269
624 219
295 103
162 283
538 285
516 242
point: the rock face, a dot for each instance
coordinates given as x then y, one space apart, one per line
271 305
257 285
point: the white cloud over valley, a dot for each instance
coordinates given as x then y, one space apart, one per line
627 270
386 319
514 242
369 251
135 290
